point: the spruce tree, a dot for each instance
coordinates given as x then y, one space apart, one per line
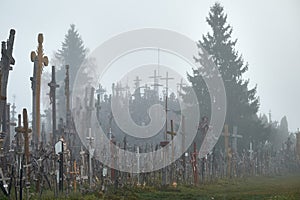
242 102
72 53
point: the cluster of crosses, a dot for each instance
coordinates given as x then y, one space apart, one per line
28 160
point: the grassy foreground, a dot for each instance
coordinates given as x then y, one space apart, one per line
269 188
280 187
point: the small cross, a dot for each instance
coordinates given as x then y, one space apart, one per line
250 151
155 81
100 91
75 172
167 78
235 136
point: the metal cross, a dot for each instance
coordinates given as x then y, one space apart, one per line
52 96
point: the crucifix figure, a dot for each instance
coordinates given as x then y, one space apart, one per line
180 85
52 96
40 61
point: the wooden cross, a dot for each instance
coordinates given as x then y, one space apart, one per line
25 130
100 91
226 139
167 78
137 91
194 164
235 136
5 62
119 89
180 85
75 173
40 60
172 133
155 81
82 167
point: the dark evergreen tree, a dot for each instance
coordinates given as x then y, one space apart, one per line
72 53
242 102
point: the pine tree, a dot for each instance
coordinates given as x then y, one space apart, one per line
242 102
72 53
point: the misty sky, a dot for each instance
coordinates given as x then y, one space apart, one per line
268 35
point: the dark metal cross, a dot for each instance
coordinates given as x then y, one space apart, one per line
53 85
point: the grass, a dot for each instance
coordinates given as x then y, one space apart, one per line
253 188
269 188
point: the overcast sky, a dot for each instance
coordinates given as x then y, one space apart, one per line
268 35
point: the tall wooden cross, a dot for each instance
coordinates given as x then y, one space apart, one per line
53 85
5 62
40 61
167 78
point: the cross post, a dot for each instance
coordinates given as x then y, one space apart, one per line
40 61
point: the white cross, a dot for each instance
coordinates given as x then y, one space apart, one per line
251 151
